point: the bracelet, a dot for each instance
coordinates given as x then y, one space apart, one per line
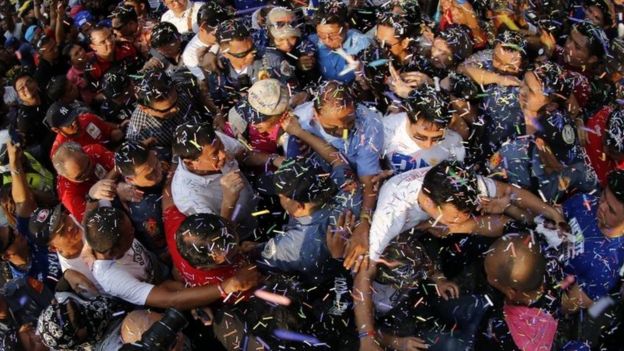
371 333
88 198
222 291
365 216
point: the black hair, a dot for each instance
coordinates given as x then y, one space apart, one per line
189 140
331 12
462 87
450 183
232 30
511 40
44 40
17 72
335 94
56 87
604 8
155 86
458 37
597 40
103 228
403 27
130 155
202 234
211 14
430 105
615 181
300 180
115 82
125 13
164 33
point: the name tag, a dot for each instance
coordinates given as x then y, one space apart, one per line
94 131
100 171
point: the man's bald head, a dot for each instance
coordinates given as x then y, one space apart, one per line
136 323
71 162
515 264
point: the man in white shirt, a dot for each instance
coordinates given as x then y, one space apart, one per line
419 137
125 269
449 194
208 179
182 14
208 18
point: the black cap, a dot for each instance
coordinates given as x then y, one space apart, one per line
558 131
301 181
60 115
45 221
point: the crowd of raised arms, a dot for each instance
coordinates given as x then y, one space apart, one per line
361 175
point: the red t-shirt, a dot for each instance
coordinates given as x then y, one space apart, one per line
99 67
92 130
597 126
192 276
72 194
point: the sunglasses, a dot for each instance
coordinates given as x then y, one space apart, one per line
243 54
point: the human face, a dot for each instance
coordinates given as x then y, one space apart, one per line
69 242
50 51
212 158
610 214
441 54
176 6
77 56
240 53
27 90
79 168
576 50
103 43
16 251
594 15
124 30
531 94
426 134
70 130
386 38
335 120
444 214
171 50
166 108
285 44
267 125
506 61
331 35
148 174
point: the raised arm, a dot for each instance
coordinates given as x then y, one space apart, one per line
23 197
327 152
527 201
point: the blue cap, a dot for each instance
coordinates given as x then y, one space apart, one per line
30 33
83 17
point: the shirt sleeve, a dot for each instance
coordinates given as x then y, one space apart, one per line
283 252
118 283
388 220
368 159
73 201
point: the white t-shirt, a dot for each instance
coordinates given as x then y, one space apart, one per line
194 193
402 153
128 278
398 210
181 23
82 264
190 55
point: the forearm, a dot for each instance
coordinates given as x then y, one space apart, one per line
491 225
519 214
363 303
370 195
183 299
479 75
531 204
59 30
227 208
22 195
321 147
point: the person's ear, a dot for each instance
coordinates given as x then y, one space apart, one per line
405 43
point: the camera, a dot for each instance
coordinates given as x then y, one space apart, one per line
162 335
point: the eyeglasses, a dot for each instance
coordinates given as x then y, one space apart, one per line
241 55
388 46
168 109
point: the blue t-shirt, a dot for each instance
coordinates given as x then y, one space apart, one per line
331 64
44 265
598 259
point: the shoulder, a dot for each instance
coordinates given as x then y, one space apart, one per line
167 16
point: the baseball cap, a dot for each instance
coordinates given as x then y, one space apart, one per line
60 115
559 133
82 18
281 30
30 33
301 181
269 98
75 10
45 221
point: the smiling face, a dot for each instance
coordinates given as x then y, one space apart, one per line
27 90
386 37
441 54
576 51
212 158
331 35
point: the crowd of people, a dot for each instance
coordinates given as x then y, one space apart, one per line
292 175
